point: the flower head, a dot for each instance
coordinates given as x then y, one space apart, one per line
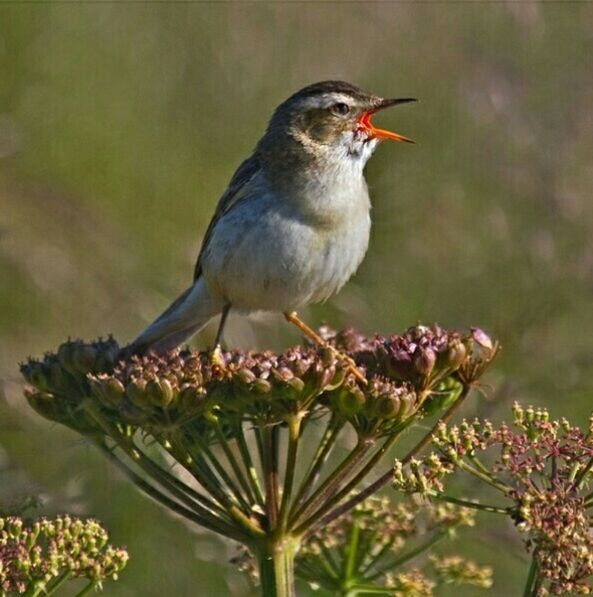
36 555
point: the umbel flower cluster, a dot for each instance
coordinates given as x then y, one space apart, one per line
380 547
544 469
253 435
38 558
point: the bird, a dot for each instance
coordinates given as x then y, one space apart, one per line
294 223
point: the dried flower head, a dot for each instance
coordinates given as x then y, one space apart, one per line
235 423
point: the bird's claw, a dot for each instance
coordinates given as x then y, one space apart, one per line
350 363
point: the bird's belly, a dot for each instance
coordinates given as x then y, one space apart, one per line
266 259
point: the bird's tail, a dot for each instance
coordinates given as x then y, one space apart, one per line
181 320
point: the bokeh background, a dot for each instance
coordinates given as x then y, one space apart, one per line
120 125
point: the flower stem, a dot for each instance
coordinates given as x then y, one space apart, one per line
58 583
387 477
294 429
234 464
326 444
197 514
354 482
351 553
87 589
468 504
276 566
251 470
329 486
406 557
531 583
270 467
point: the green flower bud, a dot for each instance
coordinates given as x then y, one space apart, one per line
160 392
46 405
297 384
387 407
108 390
283 374
262 386
246 376
351 400
136 392
408 403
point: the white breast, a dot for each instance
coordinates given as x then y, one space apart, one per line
280 253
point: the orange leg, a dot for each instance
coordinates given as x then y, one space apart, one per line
310 333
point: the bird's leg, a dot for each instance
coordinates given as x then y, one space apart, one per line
225 313
292 317
216 354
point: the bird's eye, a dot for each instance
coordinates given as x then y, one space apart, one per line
340 109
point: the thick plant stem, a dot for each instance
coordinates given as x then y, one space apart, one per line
276 566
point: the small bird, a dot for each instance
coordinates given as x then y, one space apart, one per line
293 225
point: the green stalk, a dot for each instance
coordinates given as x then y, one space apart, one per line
328 487
387 477
355 481
580 479
199 516
173 485
531 582
362 589
502 487
376 558
270 467
294 430
251 470
351 554
416 551
326 444
58 583
276 565
86 590
237 470
467 504
234 490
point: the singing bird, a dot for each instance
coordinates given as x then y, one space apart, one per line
293 225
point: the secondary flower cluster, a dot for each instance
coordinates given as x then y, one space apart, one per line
373 546
544 467
407 375
38 556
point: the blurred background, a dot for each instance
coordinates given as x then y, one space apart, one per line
120 125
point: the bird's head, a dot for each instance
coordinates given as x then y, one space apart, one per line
331 120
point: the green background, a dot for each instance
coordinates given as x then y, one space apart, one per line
120 125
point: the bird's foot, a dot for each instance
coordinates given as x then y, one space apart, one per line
310 333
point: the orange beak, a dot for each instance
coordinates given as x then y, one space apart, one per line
364 122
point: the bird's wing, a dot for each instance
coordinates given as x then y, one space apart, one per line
234 193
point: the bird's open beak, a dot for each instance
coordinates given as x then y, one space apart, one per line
365 121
